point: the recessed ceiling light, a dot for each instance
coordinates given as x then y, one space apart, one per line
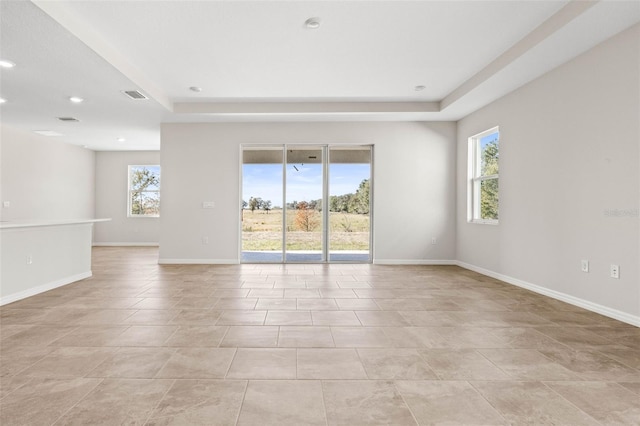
419 88
312 23
195 89
2 100
6 64
47 133
76 99
122 140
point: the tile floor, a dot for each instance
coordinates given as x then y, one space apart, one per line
140 343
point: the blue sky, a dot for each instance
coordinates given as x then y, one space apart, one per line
304 184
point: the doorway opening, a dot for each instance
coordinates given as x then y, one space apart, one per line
306 203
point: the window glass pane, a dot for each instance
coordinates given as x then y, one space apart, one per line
489 154
489 199
144 190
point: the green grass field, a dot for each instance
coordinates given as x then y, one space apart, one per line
263 231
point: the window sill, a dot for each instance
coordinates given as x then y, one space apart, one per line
143 216
484 222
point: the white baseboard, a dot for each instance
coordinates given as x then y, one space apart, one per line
42 288
414 262
99 244
198 261
576 301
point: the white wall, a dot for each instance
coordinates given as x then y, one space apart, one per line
569 149
112 170
43 178
414 185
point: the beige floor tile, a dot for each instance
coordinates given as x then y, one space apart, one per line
283 402
277 293
461 364
263 364
242 318
609 403
38 335
151 317
395 364
525 338
91 336
277 304
335 318
43 401
229 293
365 402
195 303
575 337
190 363
196 317
337 293
305 337
240 303
330 364
527 364
592 365
447 402
68 363
469 337
633 387
302 293
288 318
531 403
200 402
14 359
414 337
381 319
357 305
360 337
253 336
197 336
509 343
135 363
10 384
118 401
106 317
139 335
158 303
317 304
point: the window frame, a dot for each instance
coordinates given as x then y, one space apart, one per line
476 178
130 214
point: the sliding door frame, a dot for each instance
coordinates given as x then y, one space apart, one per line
326 161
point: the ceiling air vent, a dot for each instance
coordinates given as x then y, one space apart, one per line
135 95
68 119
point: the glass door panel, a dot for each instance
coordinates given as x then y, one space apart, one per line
349 204
304 237
262 214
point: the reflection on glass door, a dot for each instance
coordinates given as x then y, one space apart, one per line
304 194
349 204
306 204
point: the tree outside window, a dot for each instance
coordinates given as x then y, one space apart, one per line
484 154
144 191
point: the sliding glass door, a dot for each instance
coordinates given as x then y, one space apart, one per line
306 203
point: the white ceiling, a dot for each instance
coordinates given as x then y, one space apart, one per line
256 61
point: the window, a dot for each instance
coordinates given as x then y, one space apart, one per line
484 156
144 191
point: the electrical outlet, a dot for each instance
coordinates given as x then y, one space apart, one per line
615 271
208 204
205 240
29 259
434 240
585 265
6 204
